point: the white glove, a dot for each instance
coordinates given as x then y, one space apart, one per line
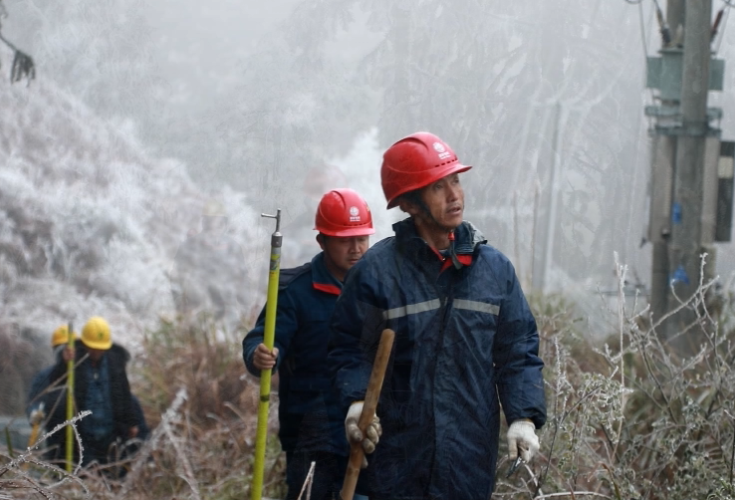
522 439
352 431
37 415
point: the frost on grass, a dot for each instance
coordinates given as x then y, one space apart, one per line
16 475
634 416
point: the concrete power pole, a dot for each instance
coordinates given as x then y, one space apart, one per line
663 156
688 197
684 159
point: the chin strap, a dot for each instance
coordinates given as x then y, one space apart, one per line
452 252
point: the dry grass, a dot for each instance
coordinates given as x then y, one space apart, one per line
634 418
628 418
203 408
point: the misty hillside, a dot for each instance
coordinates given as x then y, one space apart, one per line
90 224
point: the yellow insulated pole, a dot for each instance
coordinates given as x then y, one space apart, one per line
70 401
265 375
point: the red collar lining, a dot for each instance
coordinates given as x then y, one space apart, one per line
463 259
333 289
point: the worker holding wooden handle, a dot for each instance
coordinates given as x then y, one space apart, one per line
355 435
362 425
467 346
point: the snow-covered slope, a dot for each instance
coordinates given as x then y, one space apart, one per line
90 224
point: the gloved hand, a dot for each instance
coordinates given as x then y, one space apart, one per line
352 431
37 415
522 439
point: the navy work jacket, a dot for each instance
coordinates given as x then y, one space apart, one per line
309 414
123 417
465 341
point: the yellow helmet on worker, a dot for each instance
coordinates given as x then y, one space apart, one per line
96 334
61 336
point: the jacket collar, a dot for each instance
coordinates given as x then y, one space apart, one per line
466 236
321 278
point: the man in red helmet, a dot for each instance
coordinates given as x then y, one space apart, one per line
311 428
466 341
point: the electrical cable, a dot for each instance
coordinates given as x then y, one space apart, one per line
662 25
634 2
722 31
729 3
641 22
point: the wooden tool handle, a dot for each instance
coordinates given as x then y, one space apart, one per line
368 411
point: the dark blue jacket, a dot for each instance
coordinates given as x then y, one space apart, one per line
309 414
40 382
465 342
143 430
54 400
123 417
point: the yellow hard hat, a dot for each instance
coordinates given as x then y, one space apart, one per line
214 208
96 334
61 336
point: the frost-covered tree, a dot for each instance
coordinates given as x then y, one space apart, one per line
499 81
99 51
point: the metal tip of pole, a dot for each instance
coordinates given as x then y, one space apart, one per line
277 217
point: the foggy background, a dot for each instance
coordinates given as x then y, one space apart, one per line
142 111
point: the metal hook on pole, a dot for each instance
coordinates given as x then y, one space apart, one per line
268 340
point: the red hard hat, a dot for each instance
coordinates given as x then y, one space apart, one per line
343 212
415 162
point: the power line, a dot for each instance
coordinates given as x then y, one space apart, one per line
641 22
722 32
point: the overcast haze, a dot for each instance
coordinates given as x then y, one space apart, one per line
245 101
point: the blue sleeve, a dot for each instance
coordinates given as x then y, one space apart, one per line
519 379
287 324
355 326
143 429
39 383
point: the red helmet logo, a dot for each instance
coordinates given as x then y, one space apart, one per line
354 214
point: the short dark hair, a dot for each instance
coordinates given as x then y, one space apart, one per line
414 198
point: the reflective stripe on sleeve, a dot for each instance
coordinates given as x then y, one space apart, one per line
473 305
399 312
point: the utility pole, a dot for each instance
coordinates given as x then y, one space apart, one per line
663 157
687 203
684 159
553 199
542 260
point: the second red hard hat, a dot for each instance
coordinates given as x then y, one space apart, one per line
343 213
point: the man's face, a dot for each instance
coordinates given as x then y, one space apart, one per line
95 354
344 253
445 201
